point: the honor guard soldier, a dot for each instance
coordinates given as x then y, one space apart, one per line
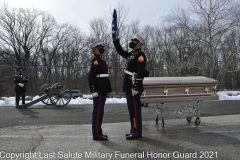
132 83
20 87
99 84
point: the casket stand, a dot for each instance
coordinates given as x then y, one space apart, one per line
162 90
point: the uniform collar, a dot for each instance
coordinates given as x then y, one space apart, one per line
136 50
97 55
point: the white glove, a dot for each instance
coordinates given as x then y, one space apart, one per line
21 85
95 94
134 92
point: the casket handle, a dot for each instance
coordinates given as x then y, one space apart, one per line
165 91
186 90
214 89
144 94
206 89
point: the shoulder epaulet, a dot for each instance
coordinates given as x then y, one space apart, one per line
141 59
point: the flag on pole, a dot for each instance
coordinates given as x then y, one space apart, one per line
114 25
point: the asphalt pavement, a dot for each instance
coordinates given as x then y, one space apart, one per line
29 134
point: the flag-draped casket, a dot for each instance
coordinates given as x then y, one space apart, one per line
178 89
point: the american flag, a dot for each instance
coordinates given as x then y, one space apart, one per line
114 25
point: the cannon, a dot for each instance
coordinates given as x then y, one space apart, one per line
51 95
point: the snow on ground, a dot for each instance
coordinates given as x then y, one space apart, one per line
10 101
229 95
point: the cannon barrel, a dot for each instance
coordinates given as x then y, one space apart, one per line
51 95
34 101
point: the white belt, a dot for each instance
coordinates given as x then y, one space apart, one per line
129 73
102 75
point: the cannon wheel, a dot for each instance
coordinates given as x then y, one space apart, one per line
197 121
56 95
46 101
189 118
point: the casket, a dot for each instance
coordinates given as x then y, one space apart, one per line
178 89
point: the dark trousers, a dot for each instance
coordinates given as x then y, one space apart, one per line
18 94
135 113
97 115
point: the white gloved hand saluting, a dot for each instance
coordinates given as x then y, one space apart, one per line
95 94
21 85
134 92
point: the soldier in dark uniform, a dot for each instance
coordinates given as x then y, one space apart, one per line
132 82
20 87
99 84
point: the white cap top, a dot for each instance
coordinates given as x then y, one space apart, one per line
139 38
95 44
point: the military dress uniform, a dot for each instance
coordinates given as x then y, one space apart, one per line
99 82
20 87
135 64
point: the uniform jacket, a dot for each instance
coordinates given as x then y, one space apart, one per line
20 79
99 84
136 62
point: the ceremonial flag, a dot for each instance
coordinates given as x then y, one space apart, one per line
114 25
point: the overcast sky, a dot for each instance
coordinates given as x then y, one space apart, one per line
80 12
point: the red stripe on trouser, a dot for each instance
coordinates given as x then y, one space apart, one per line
135 116
98 114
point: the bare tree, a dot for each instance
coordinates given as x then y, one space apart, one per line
229 51
74 54
20 32
213 21
51 50
99 28
151 50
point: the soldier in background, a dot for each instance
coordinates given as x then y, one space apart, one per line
100 85
20 82
134 73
